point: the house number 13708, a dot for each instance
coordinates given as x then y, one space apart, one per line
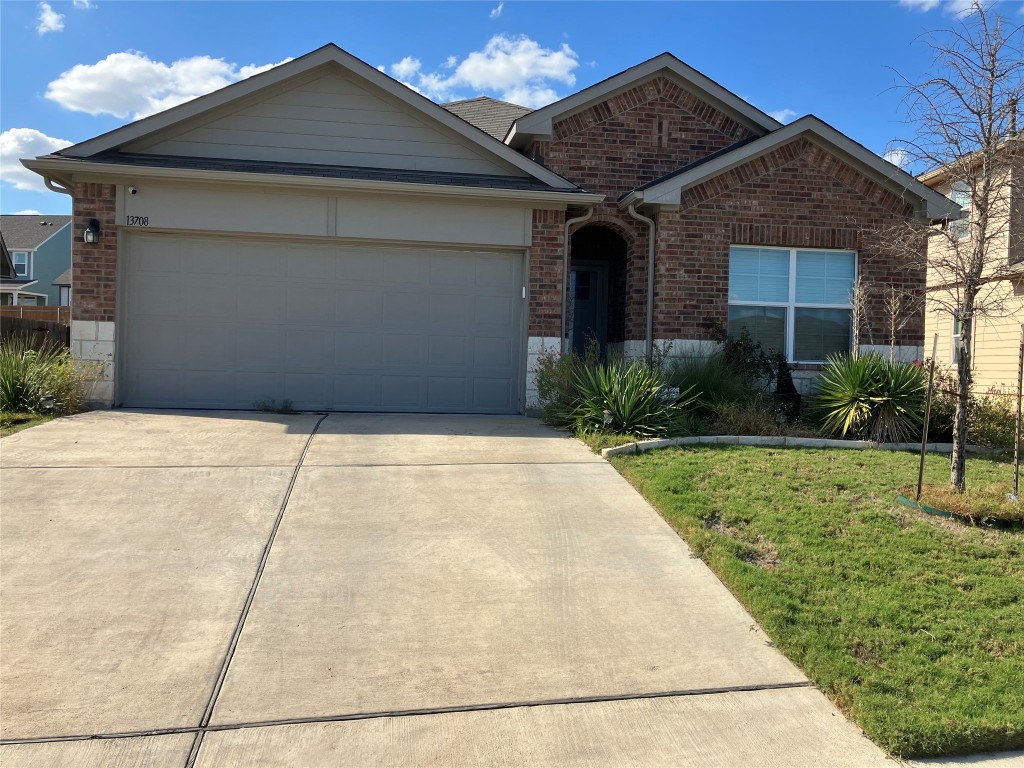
138 221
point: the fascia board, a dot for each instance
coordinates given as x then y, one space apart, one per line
330 53
108 171
541 122
892 177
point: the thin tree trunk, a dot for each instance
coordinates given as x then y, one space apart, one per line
958 461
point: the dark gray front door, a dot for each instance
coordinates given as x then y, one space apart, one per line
588 286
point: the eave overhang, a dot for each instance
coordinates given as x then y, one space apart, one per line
66 170
667 191
540 123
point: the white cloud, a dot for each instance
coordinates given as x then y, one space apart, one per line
28 212
496 11
17 143
783 115
406 68
898 157
950 7
83 5
516 69
129 83
49 20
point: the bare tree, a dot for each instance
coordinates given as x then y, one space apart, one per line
964 117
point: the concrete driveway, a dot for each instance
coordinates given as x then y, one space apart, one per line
217 589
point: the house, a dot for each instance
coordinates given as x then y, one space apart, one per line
63 285
997 336
319 233
6 262
40 248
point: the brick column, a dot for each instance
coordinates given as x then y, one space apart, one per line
94 285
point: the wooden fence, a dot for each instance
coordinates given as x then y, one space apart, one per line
43 314
39 331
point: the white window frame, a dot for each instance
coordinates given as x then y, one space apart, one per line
791 306
960 229
28 263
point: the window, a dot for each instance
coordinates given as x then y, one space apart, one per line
961 195
956 346
22 264
793 301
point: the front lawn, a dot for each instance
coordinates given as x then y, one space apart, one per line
913 625
15 422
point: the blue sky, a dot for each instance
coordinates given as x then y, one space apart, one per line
72 70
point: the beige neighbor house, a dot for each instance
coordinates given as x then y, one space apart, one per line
322 234
997 336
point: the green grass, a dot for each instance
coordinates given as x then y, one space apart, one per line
913 625
15 422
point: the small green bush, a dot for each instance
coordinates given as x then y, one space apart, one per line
29 373
621 397
991 416
870 398
716 381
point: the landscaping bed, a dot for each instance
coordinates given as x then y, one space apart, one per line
912 624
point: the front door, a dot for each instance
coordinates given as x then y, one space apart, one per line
588 321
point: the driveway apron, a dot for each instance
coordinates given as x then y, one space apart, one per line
393 590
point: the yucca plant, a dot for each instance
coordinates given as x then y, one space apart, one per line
630 398
28 373
870 398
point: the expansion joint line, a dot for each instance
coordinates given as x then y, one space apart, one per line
197 742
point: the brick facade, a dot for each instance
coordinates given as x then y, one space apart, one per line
94 265
797 195
545 312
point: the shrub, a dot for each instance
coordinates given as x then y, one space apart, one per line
29 373
870 398
617 397
715 380
991 418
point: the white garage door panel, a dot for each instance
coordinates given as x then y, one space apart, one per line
209 325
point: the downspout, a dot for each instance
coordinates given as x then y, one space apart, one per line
58 186
649 341
565 273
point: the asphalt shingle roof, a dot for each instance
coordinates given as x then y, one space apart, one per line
64 278
528 183
27 232
489 115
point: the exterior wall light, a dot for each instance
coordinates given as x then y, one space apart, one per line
92 232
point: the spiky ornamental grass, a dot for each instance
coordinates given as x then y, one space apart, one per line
870 398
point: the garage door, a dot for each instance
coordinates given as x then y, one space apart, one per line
226 323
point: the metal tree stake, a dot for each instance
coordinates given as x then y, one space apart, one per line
927 415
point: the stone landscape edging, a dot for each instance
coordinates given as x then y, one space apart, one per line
642 446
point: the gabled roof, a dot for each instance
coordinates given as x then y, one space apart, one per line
6 263
489 115
539 124
328 54
668 189
64 278
23 232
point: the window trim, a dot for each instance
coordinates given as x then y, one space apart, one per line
28 263
791 306
960 229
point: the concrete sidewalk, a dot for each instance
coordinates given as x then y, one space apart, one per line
221 589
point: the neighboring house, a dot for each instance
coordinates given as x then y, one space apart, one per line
40 248
6 263
997 336
63 286
319 233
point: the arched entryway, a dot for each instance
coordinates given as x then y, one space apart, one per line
597 288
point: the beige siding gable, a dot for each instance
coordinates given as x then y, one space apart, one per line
328 119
